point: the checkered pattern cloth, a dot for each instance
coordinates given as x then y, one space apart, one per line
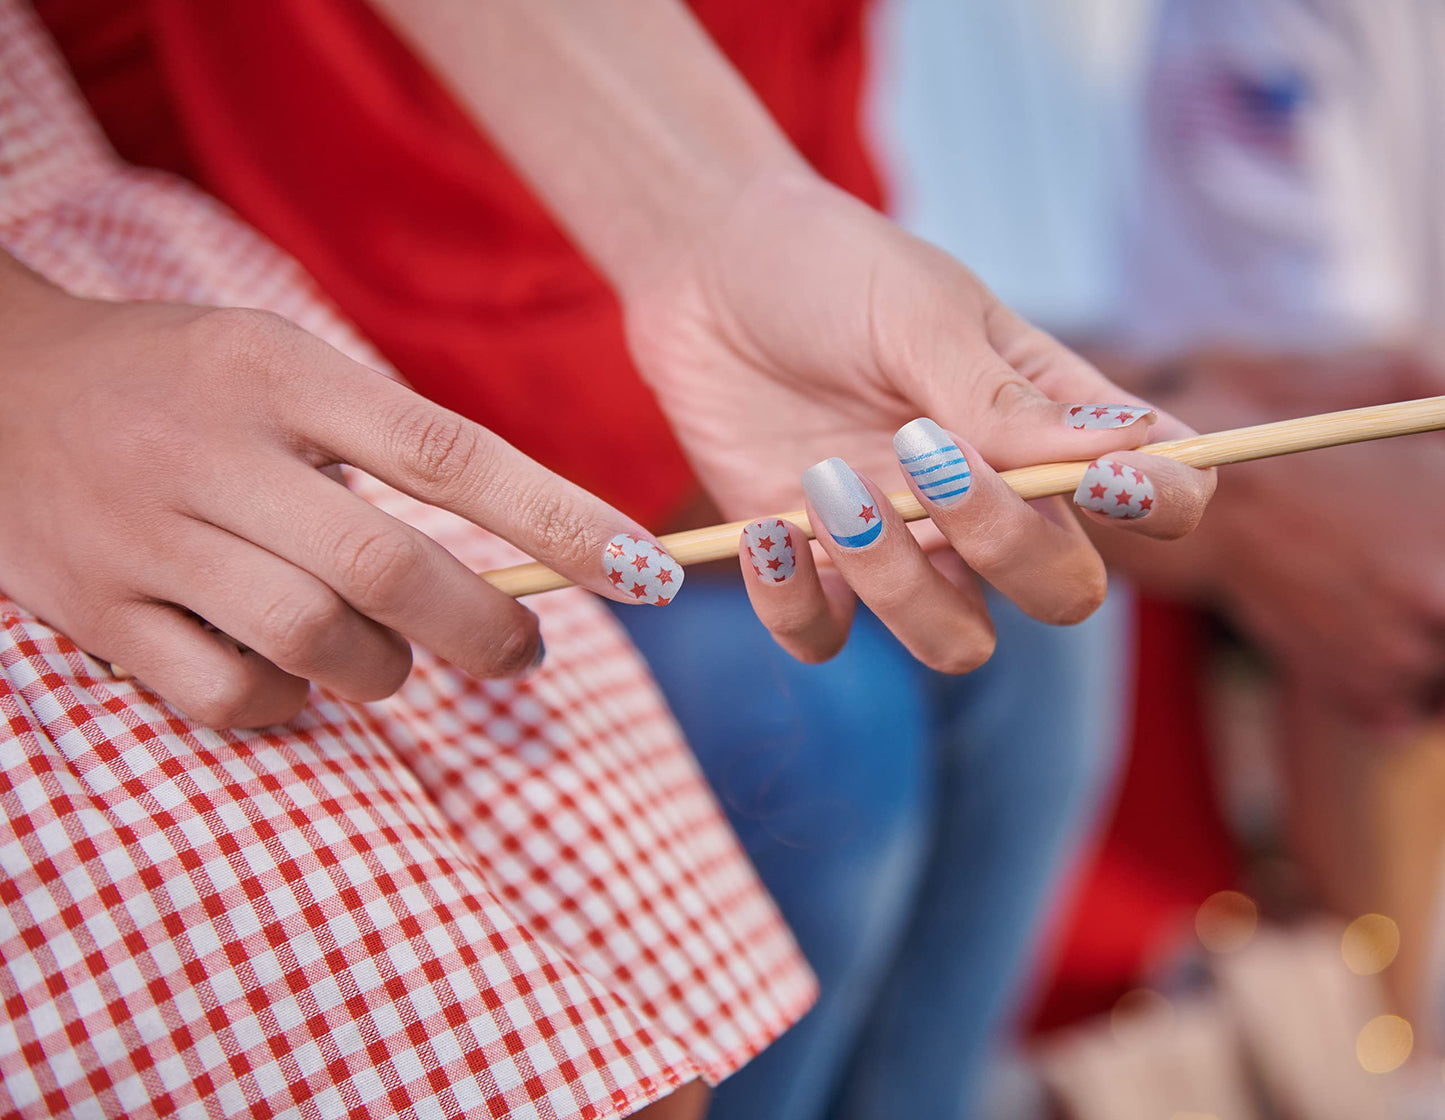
473 899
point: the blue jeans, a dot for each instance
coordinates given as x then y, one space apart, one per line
910 825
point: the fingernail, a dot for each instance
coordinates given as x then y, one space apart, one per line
770 549
935 463
848 511
541 654
641 569
1107 415
1115 489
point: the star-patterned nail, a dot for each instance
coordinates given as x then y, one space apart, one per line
639 570
848 511
1105 415
1115 489
770 550
934 462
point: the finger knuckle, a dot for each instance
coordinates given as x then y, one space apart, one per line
298 629
513 650
997 544
1089 588
558 529
379 566
221 700
441 450
965 656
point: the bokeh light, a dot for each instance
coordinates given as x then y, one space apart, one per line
1226 922
1370 944
1384 1044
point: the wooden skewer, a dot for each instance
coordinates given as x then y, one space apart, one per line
1263 441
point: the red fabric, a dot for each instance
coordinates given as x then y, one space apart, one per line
1167 848
318 126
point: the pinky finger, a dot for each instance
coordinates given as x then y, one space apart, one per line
1147 494
806 615
200 672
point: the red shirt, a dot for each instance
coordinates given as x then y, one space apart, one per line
314 122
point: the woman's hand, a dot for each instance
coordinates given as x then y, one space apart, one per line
168 492
806 327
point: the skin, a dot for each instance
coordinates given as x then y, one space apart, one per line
779 321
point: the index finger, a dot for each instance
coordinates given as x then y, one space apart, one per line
357 416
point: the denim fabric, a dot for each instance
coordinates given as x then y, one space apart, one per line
911 826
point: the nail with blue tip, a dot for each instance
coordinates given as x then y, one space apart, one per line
935 463
848 510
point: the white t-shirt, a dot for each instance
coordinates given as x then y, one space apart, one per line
1292 175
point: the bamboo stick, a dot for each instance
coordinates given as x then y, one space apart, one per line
1263 441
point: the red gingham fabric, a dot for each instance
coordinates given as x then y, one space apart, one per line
473 899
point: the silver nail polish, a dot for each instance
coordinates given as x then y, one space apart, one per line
640 570
936 464
848 511
1092 416
1115 489
770 550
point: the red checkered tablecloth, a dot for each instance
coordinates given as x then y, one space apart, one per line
474 899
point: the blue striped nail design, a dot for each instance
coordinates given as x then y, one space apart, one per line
935 463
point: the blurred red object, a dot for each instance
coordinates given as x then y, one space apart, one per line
1166 848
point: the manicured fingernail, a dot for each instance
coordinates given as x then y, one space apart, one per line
1115 489
770 549
641 569
541 654
933 461
1107 415
849 512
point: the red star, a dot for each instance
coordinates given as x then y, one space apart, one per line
1139 478
766 544
1098 490
1078 408
1078 427
779 524
660 601
775 563
1099 412
616 578
868 515
1146 504
779 579
639 562
1125 417
664 576
757 571
1122 498
614 549
1118 469
639 591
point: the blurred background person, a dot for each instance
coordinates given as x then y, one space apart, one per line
1244 198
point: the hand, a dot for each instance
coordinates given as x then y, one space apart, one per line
1333 560
167 470
807 327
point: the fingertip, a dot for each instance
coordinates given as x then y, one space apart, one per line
639 571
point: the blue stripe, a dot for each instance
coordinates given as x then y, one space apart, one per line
939 467
926 454
867 536
929 485
950 494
